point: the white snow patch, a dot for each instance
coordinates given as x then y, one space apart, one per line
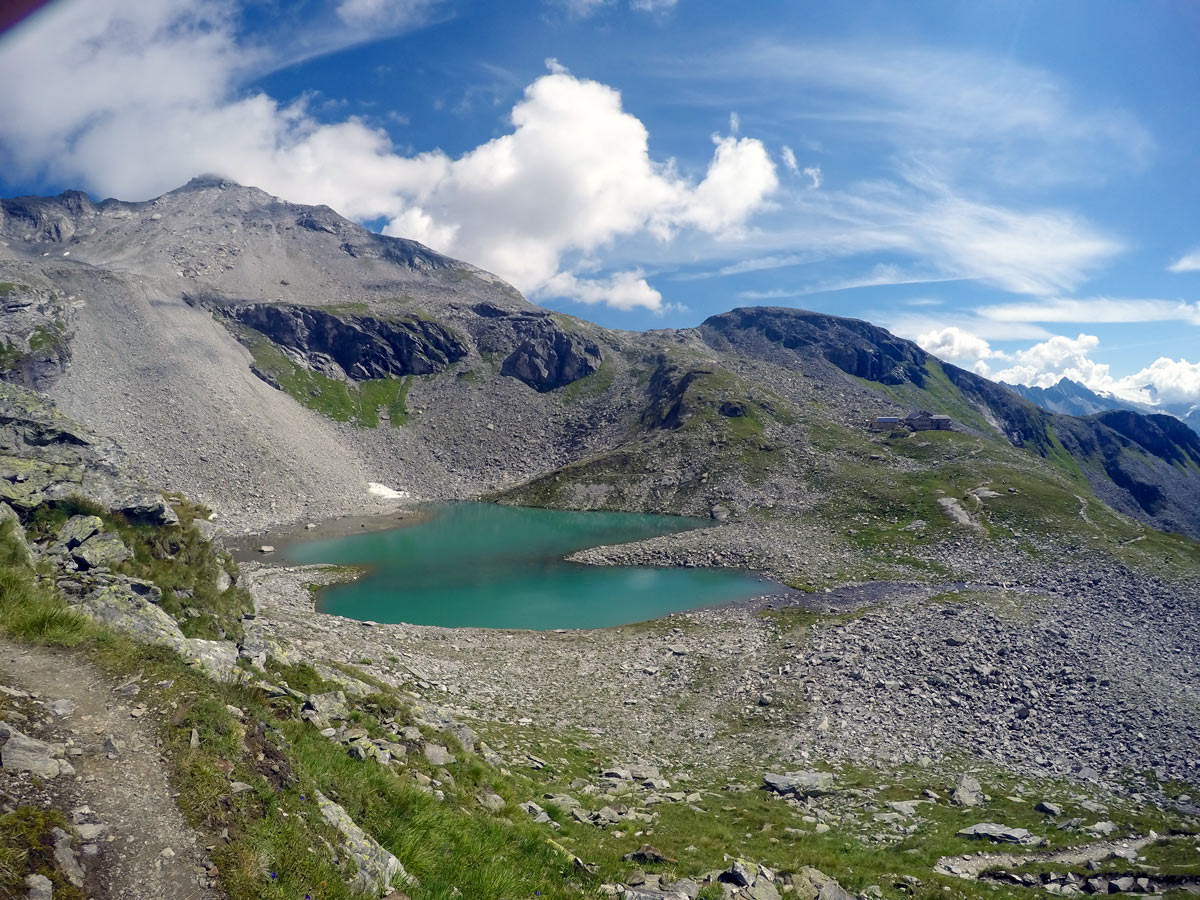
375 489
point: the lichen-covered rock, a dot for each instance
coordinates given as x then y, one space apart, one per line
808 882
217 659
76 530
326 707
106 549
376 870
130 607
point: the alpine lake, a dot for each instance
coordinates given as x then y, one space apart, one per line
490 566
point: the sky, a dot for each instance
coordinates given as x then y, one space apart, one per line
1012 184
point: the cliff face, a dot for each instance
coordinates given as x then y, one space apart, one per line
354 346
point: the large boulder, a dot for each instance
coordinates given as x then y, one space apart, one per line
149 509
130 606
967 791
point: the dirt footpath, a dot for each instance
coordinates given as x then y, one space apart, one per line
134 842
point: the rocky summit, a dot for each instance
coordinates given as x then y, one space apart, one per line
974 672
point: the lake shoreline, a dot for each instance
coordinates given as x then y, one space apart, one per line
246 547
500 566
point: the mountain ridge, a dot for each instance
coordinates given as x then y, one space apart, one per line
272 337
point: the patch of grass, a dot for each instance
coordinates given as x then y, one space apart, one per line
590 386
10 354
45 337
11 287
357 402
26 848
29 609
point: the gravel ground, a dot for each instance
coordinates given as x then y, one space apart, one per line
1090 672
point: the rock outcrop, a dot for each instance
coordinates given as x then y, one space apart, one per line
353 346
786 335
550 358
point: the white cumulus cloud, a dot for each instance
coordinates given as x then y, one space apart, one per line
1163 381
1189 262
138 96
956 345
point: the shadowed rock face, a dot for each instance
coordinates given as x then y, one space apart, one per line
1164 436
364 347
856 347
549 358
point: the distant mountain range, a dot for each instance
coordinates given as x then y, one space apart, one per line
1071 398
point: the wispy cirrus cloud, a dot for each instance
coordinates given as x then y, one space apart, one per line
1094 310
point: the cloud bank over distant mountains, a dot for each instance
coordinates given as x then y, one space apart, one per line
848 165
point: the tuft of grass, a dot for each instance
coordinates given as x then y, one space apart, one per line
29 609
26 848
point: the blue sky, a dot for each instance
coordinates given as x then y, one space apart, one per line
1012 184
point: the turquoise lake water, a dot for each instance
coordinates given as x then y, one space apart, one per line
483 565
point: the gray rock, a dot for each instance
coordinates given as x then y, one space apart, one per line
61 708
21 753
535 812
66 857
438 755
551 358
999 833
38 887
464 734
763 889
1050 809
740 874
376 870
76 530
106 549
149 509
217 659
967 791
802 784
831 890
492 801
